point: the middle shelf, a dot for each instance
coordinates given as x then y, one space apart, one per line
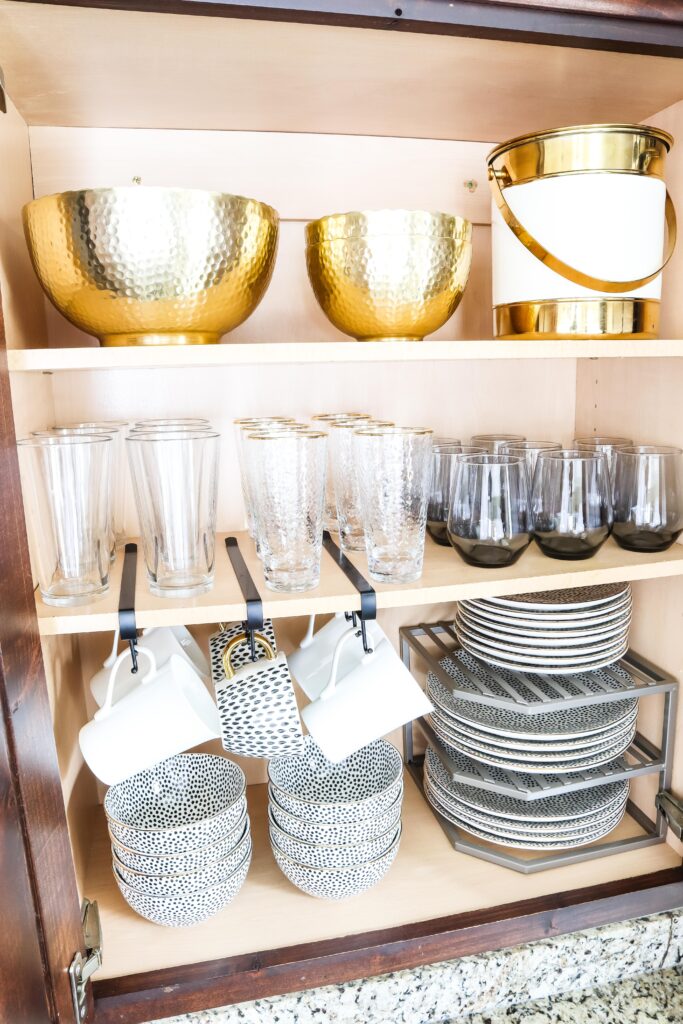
445 578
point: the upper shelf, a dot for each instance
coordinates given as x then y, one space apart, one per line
446 578
52 360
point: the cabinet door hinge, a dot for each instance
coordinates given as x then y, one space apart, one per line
3 95
82 967
672 809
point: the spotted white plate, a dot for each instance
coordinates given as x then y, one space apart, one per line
572 597
521 645
547 634
478 736
560 618
548 725
558 807
530 843
522 764
549 666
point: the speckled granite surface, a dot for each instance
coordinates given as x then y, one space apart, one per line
650 999
482 984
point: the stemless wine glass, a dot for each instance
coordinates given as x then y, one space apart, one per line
571 503
529 450
444 456
648 496
321 421
342 457
175 483
493 442
394 473
67 478
286 471
602 443
489 522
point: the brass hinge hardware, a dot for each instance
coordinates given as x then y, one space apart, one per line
672 809
82 967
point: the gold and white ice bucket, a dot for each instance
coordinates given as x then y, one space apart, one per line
578 232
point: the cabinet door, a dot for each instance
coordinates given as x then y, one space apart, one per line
40 928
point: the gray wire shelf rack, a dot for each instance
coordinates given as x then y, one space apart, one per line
641 678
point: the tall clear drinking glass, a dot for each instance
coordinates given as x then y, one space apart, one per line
286 472
175 483
571 503
67 481
529 451
119 468
648 496
178 421
394 467
494 442
342 457
489 523
245 425
602 443
321 421
444 457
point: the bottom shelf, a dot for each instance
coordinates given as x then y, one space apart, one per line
428 880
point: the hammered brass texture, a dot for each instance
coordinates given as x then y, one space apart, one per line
577 318
389 274
145 265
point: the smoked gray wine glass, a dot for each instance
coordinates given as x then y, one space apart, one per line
489 523
444 456
394 472
175 483
493 442
602 443
529 450
571 503
648 496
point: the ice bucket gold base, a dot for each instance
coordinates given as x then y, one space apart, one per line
577 319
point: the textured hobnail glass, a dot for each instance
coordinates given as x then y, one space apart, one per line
322 421
648 496
342 458
286 481
175 482
247 425
394 473
67 481
489 523
571 503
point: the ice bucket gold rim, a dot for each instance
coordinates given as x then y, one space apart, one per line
362 224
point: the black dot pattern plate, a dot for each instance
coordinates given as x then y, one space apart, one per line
572 597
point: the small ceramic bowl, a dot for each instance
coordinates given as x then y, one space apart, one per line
330 835
336 883
344 855
362 786
194 860
190 881
190 800
188 908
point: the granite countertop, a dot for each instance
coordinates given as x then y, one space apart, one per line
649 999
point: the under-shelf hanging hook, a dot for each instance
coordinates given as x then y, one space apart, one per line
368 595
254 620
127 625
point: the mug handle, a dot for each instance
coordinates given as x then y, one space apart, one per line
107 706
308 639
111 658
331 686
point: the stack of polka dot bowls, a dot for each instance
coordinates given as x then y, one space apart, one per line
181 840
335 829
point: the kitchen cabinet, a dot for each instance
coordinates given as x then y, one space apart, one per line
323 107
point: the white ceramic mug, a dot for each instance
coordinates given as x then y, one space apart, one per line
169 711
311 661
358 706
163 641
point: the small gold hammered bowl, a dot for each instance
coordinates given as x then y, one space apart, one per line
389 274
143 265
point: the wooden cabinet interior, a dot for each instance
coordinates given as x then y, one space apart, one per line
86 123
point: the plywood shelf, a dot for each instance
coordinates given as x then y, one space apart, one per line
53 360
446 578
428 880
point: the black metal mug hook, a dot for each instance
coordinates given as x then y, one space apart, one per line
368 595
254 620
127 625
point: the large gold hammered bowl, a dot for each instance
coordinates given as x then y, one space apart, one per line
389 274
152 266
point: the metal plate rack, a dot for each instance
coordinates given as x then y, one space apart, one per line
431 643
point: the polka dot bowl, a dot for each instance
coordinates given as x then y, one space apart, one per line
184 882
336 883
173 863
362 786
185 909
343 855
343 832
188 801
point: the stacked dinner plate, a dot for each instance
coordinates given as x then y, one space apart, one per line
335 829
559 631
559 822
555 742
180 838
